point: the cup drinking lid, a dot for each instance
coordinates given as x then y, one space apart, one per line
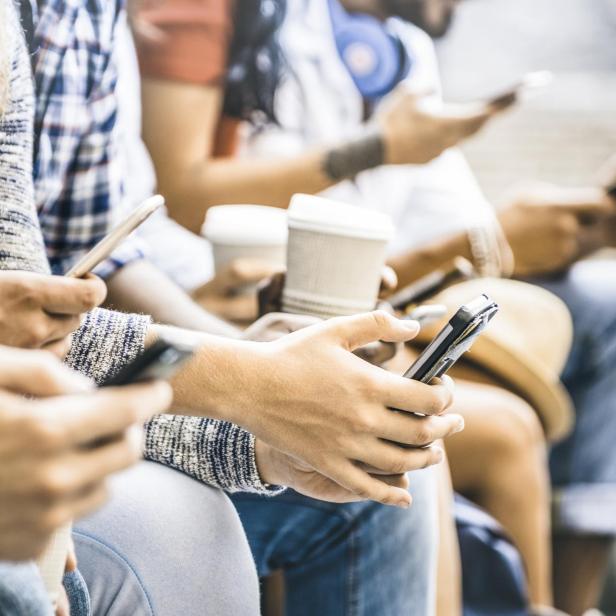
252 225
321 215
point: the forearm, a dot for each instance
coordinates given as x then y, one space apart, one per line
265 181
413 264
142 288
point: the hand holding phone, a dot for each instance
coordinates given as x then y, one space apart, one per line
453 340
111 241
526 85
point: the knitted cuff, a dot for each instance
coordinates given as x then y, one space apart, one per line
106 342
215 452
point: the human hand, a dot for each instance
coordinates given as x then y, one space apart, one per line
308 396
274 323
415 131
57 450
229 295
549 227
63 607
39 311
278 468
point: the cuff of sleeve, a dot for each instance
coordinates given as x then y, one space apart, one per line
106 342
217 453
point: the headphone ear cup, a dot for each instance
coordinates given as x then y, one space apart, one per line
371 55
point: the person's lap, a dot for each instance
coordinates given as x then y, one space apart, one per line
22 592
583 466
165 545
349 559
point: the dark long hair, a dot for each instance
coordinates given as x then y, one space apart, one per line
255 62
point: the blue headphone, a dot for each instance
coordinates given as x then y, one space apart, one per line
376 59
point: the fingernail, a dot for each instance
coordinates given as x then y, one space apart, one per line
439 454
403 504
411 325
459 426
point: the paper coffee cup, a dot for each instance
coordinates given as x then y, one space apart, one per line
246 231
335 257
52 562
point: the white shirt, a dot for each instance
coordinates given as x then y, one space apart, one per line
318 104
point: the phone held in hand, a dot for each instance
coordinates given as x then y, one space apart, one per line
114 238
526 85
453 340
160 361
411 296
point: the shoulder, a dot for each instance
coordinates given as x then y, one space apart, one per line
194 42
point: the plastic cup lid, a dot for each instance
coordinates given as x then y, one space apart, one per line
322 215
245 225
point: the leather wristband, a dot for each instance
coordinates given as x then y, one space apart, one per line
346 161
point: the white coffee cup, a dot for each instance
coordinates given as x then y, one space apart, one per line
335 257
246 231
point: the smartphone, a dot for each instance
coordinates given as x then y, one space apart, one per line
453 340
160 361
527 84
114 238
429 285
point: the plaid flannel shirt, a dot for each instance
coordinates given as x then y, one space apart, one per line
78 179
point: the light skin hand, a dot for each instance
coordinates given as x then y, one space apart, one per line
342 417
57 451
278 468
40 311
549 227
274 323
416 133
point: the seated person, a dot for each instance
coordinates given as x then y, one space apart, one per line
171 83
213 450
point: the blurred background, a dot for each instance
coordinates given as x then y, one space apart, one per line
563 133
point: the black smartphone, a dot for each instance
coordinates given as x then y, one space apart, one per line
453 340
159 361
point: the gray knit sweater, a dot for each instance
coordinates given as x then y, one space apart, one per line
218 453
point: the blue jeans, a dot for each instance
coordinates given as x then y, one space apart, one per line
583 466
357 559
22 592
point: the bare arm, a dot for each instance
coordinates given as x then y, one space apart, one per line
180 121
140 287
179 124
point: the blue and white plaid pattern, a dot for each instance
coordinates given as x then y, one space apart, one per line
78 182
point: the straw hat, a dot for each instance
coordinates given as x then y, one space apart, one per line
526 344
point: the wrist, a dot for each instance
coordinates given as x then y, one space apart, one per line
269 464
346 161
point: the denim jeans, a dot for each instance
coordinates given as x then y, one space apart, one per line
583 466
357 559
22 592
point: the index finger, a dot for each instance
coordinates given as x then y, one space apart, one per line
83 420
64 295
413 396
38 373
361 329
